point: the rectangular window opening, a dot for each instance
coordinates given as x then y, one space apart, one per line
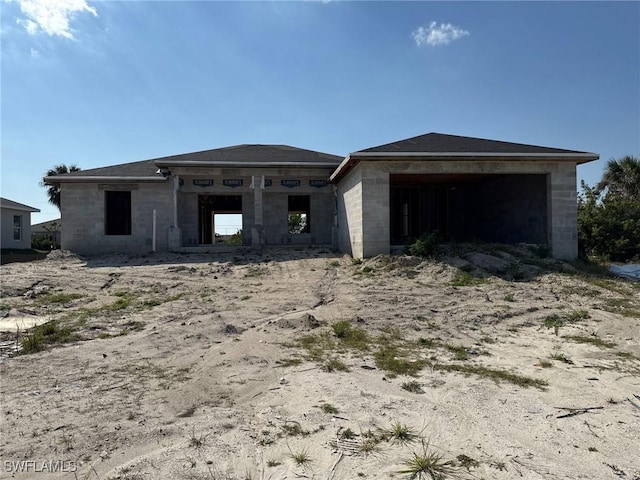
17 227
117 213
299 219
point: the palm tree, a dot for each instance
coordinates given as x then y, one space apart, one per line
53 191
622 177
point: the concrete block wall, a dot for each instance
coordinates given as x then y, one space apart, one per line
83 214
563 211
376 228
349 192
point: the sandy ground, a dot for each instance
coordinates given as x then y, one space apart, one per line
190 367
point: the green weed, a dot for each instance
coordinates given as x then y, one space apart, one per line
495 375
593 340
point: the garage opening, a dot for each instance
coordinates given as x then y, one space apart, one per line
219 218
469 207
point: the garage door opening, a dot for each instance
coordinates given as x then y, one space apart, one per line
219 218
469 207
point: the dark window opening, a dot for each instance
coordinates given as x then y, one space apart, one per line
17 227
299 219
117 213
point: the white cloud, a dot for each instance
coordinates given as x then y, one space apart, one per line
436 35
52 16
35 53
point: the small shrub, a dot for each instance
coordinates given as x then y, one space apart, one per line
301 458
467 462
561 357
429 466
413 387
425 246
390 359
294 429
197 441
459 352
334 365
554 321
399 433
593 340
577 315
546 364
328 408
350 336
348 434
289 362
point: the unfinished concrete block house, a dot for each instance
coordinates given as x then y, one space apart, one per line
365 204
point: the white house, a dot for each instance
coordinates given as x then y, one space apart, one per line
16 224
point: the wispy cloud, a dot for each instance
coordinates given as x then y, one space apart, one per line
436 35
52 16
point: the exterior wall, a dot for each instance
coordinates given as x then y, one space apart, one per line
349 193
7 229
563 212
363 215
376 228
83 214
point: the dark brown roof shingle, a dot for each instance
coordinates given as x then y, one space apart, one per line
442 143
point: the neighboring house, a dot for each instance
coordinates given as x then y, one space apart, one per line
49 231
463 188
16 224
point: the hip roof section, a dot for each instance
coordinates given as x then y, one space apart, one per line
254 156
439 147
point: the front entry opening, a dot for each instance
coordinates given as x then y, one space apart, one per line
218 218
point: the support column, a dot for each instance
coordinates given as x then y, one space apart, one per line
175 237
257 232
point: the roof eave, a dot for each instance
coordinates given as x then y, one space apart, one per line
586 156
217 163
56 180
22 209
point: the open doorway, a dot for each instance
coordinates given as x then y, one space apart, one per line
219 219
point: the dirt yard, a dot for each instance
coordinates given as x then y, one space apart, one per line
487 363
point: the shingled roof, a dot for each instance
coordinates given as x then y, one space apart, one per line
441 143
6 203
239 155
439 147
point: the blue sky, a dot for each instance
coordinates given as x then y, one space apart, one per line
101 83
